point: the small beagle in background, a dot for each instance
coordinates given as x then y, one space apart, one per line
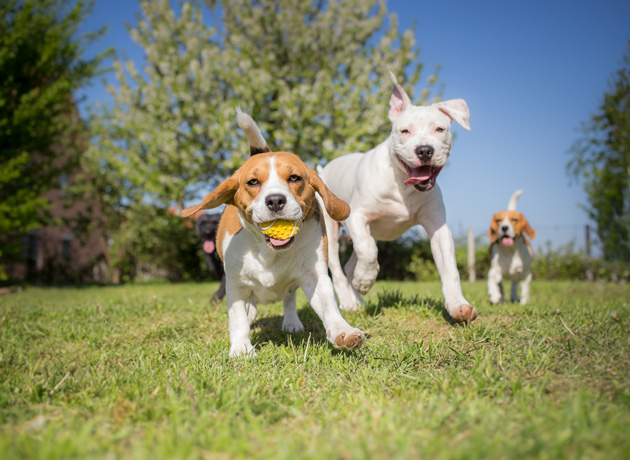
510 253
271 187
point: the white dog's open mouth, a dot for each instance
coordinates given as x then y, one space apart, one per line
423 177
276 244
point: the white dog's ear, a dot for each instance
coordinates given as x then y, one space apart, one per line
399 100
456 109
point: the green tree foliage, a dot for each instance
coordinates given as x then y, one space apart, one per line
601 159
41 66
313 74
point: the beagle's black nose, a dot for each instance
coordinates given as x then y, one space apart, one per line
504 228
275 202
424 152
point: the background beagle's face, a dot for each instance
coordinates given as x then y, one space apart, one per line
506 226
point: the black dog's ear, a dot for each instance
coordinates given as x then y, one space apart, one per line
257 143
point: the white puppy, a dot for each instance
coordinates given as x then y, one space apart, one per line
390 189
262 263
510 253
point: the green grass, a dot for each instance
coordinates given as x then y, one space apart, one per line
143 372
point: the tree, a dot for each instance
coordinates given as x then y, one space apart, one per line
313 74
601 159
41 66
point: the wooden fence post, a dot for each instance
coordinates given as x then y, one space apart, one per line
472 275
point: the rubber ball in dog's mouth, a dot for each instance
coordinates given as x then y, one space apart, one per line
279 233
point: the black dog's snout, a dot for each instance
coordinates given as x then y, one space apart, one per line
424 152
504 228
275 202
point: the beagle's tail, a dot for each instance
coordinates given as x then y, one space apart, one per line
514 200
257 143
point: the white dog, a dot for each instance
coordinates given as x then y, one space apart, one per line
510 253
262 263
390 189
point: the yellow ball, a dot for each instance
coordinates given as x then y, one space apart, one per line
280 229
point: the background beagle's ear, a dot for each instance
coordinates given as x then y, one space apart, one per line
335 207
456 109
493 233
528 230
399 100
224 194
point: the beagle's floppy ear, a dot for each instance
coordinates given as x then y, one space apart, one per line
399 100
224 194
493 233
336 208
456 109
528 230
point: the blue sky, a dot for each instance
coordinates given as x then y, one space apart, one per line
531 73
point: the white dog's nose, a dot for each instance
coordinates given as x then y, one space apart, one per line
424 152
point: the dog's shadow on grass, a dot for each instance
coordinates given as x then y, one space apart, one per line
396 299
269 329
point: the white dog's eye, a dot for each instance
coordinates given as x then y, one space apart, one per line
439 129
404 131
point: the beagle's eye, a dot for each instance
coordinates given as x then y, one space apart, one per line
514 220
404 131
294 178
253 182
439 129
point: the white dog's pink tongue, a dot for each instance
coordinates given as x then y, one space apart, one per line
208 247
420 174
507 241
278 243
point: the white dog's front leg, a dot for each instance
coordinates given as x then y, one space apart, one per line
525 284
443 249
238 324
346 295
364 245
494 285
319 292
291 322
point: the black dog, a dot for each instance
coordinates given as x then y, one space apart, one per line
206 228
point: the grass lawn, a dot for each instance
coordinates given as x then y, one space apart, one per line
143 371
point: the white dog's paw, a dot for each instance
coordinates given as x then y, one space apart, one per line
364 276
242 349
292 326
347 338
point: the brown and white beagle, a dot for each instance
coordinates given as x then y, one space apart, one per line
510 253
268 187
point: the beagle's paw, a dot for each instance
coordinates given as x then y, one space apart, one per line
348 340
463 314
292 326
245 349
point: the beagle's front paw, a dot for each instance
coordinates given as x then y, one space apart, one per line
347 339
463 314
242 349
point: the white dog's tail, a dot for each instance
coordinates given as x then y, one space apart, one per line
257 143
514 200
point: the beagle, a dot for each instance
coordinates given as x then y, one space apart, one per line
510 253
271 187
